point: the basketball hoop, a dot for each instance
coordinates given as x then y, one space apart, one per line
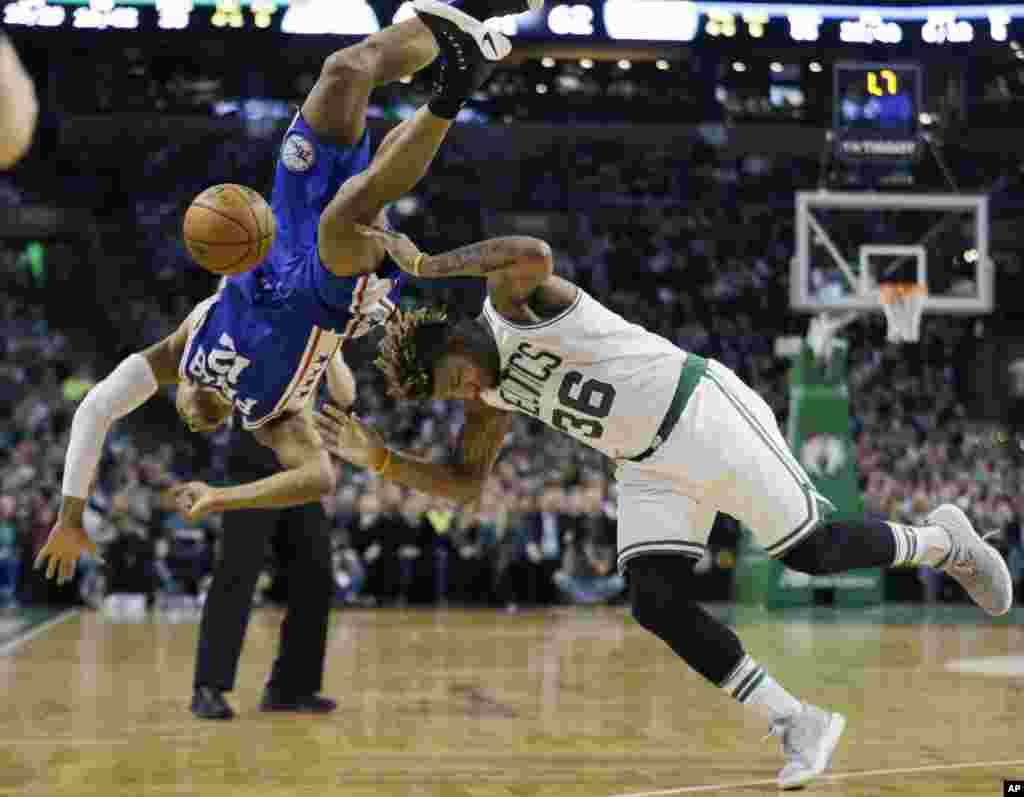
903 303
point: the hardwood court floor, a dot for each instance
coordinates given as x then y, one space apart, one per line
558 703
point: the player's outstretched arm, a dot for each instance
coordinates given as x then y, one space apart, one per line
125 389
462 482
307 476
514 266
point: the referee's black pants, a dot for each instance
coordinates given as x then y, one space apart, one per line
306 557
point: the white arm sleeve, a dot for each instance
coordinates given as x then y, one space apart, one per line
128 387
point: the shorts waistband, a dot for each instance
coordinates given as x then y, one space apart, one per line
689 376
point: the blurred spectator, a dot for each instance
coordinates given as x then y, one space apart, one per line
8 551
546 527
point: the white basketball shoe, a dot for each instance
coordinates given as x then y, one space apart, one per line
808 741
973 562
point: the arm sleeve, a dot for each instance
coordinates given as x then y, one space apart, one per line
128 387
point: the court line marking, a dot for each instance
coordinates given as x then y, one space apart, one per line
9 647
867 773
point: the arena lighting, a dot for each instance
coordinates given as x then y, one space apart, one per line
776 66
998 22
102 14
662 64
651 20
547 62
354 18
804 24
173 14
575 20
739 66
586 63
625 64
815 66
542 88
34 14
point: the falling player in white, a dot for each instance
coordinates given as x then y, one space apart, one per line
689 437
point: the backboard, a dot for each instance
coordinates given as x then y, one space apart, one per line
849 242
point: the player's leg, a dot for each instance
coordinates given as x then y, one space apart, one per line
774 496
18 106
468 51
661 536
336 107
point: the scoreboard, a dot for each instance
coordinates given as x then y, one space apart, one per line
876 110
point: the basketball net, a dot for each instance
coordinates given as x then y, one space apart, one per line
903 304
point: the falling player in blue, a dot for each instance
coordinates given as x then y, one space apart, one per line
259 347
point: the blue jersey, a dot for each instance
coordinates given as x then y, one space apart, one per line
264 341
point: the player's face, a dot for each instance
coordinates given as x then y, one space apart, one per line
458 376
202 409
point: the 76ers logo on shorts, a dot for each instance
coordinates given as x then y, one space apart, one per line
297 153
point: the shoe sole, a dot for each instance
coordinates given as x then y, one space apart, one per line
836 726
964 531
493 45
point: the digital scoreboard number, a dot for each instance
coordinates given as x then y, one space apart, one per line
875 111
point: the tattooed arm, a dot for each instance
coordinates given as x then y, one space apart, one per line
514 266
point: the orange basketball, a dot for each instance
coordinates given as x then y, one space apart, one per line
229 229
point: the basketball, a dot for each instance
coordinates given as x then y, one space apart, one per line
229 229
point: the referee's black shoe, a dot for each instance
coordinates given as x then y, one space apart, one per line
302 704
208 703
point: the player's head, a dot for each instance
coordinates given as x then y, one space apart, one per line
202 409
424 355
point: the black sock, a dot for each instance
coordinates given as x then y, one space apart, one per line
445 107
840 545
658 593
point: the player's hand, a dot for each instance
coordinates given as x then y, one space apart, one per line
63 548
350 438
195 500
402 250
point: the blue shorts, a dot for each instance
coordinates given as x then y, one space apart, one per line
309 174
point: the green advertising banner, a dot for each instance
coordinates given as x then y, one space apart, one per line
819 435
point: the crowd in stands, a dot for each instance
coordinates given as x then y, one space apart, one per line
696 249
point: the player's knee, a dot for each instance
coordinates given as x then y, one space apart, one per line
657 589
814 555
350 69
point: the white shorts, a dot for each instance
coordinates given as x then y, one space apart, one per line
725 454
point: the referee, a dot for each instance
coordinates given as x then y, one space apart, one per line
304 541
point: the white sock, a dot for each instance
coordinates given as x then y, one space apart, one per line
752 686
920 545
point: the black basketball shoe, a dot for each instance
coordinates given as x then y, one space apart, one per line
469 51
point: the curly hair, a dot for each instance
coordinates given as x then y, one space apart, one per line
413 343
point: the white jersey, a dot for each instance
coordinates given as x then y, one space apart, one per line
589 373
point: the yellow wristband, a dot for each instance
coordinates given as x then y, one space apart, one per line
387 463
417 263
